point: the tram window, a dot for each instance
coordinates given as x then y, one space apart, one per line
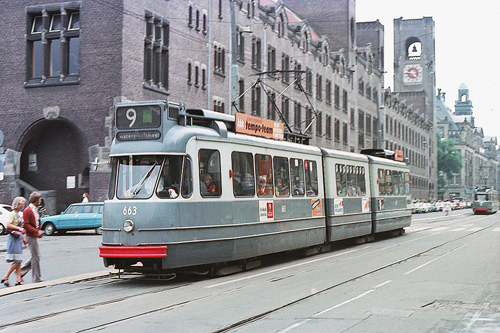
351 181
311 178
341 180
361 188
137 176
388 183
264 168
396 182
381 182
187 179
281 176
407 183
297 176
112 184
243 176
210 180
170 178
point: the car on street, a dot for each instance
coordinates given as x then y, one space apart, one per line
4 211
78 216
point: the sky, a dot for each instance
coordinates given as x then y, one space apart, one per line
467 37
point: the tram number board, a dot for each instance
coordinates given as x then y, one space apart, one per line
138 117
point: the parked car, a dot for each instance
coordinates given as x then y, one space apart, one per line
79 216
4 210
439 206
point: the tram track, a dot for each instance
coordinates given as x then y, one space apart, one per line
250 319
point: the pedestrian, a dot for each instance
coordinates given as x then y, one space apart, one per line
15 241
447 207
33 232
86 197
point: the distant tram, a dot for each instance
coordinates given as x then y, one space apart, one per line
190 190
485 201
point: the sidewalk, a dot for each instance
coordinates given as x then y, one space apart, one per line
47 283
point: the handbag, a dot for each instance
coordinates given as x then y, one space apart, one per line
13 233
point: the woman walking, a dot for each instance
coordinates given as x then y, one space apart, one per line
15 241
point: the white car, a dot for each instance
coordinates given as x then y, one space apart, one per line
4 211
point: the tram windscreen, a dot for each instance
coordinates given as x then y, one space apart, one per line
481 197
137 176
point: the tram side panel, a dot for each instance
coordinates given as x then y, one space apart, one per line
347 195
237 224
391 198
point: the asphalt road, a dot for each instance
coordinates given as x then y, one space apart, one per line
441 276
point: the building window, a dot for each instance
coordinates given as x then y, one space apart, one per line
297 115
196 75
256 101
219 104
353 119
368 128
297 73
189 72
361 87
271 107
344 101
328 126
319 87
203 76
190 16
53 55
241 86
256 53
309 79
309 117
271 59
336 96
285 67
337 130
219 59
240 55
285 108
345 134
328 92
156 53
319 124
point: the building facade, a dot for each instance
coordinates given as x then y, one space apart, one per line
479 155
67 63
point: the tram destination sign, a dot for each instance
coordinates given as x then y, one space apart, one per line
257 126
138 117
138 135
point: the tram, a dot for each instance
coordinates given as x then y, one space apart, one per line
197 189
485 201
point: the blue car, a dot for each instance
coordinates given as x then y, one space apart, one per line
76 217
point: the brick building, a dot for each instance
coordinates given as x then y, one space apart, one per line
65 64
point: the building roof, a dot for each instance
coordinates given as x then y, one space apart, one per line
444 114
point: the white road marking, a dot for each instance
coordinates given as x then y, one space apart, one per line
279 269
289 328
431 261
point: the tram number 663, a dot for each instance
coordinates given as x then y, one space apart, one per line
131 210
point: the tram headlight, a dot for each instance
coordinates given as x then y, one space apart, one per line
128 226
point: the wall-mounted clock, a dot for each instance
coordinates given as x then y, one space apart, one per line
412 74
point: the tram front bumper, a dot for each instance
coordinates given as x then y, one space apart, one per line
132 251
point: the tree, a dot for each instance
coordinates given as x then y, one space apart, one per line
449 160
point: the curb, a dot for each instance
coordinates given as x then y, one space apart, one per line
70 279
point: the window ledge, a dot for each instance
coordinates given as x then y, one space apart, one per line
154 88
52 81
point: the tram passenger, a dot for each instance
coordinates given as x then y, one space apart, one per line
263 188
207 186
281 187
